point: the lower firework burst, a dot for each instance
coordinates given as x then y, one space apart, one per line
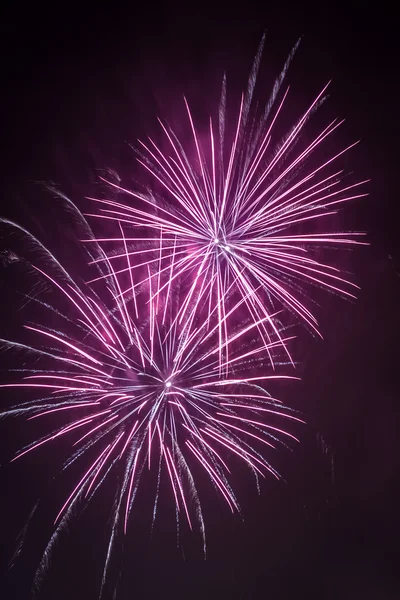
139 388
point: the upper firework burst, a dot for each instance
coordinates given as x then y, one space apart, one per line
239 213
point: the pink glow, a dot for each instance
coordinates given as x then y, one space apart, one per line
182 326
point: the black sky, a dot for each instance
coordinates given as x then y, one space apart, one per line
77 87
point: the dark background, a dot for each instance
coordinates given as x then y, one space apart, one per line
77 87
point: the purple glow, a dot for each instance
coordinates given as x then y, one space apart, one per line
163 359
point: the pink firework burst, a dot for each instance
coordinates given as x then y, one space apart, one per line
143 393
239 216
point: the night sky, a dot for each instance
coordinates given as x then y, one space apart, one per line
77 89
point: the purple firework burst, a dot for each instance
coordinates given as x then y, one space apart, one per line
144 392
238 216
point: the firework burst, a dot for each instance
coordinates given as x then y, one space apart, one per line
143 393
232 212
